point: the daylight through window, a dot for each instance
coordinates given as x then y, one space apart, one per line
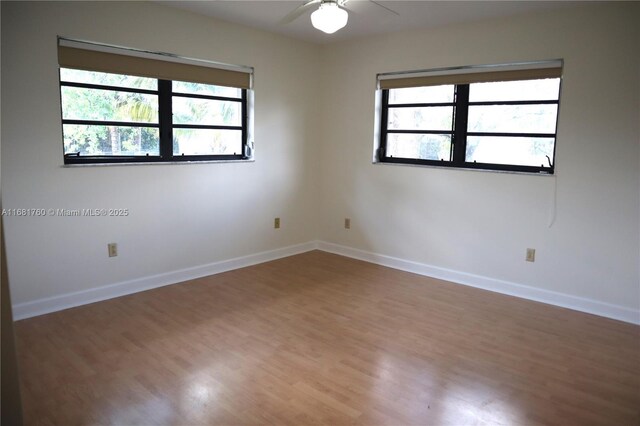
497 119
130 116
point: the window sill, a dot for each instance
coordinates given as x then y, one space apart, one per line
509 172
158 163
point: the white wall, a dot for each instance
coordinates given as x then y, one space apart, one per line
314 138
181 215
481 222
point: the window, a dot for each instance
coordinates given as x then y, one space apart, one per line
127 113
502 119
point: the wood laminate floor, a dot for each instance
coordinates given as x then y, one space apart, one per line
322 339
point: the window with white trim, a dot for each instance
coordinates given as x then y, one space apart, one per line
124 106
501 117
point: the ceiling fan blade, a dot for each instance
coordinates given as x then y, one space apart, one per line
298 11
384 7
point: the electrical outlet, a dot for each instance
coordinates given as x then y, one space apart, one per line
276 223
113 249
531 255
347 223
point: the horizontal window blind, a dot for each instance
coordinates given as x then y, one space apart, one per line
467 75
98 57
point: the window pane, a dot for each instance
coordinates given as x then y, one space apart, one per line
513 118
424 147
428 118
525 90
421 95
107 79
206 89
510 150
111 140
207 142
108 105
206 111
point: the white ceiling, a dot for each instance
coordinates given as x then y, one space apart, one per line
365 17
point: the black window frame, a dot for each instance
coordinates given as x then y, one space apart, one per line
165 125
459 133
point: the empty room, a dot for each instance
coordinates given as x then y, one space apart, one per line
320 212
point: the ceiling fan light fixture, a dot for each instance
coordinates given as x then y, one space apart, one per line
329 17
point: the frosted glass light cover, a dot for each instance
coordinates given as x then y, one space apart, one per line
329 18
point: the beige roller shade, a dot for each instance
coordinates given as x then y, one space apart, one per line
145 66
470 75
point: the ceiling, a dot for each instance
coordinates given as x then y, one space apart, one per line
365 17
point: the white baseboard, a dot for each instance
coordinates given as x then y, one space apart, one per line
70 300
595 307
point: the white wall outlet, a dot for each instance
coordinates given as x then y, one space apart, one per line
531 255
347 223
276 223
113 249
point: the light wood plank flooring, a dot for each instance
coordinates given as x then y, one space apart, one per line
322 339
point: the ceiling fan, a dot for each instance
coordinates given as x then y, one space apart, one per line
331 16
